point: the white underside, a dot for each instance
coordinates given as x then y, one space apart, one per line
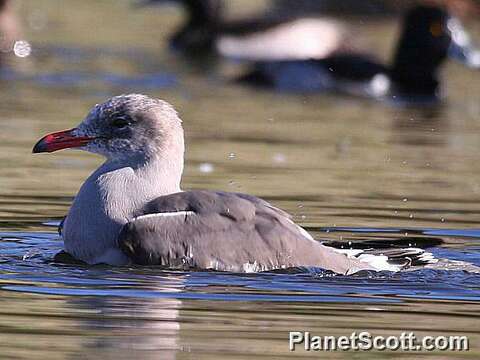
378 262
313 38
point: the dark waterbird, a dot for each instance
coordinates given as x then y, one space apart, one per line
429 35
285 36
132 210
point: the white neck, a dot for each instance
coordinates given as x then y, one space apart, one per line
125 187
114 194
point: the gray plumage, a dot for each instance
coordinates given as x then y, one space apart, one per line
132 210
224 231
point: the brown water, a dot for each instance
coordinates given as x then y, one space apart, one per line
347 169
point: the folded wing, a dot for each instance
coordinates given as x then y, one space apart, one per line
224 231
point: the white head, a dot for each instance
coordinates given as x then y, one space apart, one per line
132 128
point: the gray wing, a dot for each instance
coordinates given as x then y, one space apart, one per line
224 231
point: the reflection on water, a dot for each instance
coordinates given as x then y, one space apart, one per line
354 173
149 313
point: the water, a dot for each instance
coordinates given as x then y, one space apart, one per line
347 169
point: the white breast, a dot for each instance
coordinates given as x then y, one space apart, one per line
96 216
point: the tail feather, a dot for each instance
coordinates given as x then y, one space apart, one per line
391 259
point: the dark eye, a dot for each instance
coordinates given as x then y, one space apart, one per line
121 122
436 29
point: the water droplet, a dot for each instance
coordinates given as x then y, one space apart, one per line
206 168
411 216
405 199
279 158
22 48
30 254
442 220
232 155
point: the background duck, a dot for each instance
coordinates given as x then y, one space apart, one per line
263 38
461 8
428 37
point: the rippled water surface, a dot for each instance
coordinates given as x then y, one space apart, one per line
354 173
